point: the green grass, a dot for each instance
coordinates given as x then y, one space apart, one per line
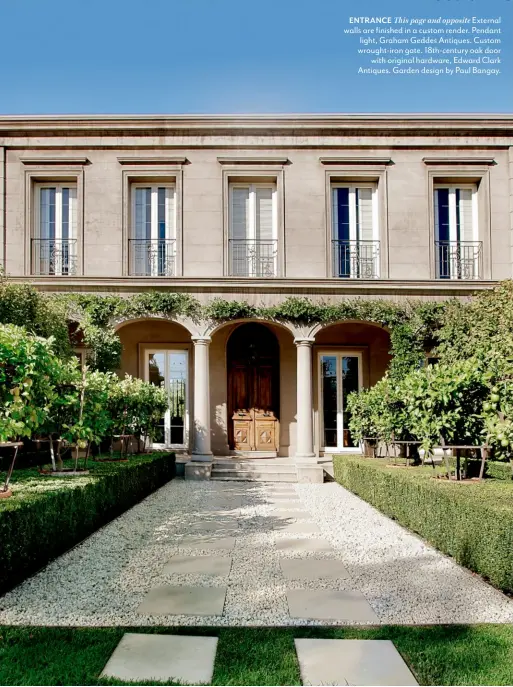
438 655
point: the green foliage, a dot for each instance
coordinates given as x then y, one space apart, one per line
136 407
221 310
24 306
478 326
378 412
53 516
472 523
29 373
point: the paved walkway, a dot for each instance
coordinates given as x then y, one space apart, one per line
228 553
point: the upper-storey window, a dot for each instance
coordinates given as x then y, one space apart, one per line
152 245
458 250
54 244
355 231
253 233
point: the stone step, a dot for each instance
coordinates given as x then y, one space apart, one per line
240 476
272 467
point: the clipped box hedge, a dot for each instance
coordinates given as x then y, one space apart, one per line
471 522
48 515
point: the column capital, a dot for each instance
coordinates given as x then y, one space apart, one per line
304 341
201 340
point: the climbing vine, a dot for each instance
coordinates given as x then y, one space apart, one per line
414 326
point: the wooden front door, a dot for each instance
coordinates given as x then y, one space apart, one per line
253 377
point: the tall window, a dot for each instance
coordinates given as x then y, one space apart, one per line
355 232
152 248
253 239
340 375
54 246
458 252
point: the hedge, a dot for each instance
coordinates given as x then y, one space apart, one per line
48 515
471 522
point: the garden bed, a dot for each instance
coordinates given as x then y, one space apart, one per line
45 516
473 523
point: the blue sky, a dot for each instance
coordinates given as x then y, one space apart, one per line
223 56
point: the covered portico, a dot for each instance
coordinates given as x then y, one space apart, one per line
252 388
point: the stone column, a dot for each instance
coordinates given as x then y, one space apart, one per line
305 449
201 450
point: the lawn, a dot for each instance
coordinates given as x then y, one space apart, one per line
441 655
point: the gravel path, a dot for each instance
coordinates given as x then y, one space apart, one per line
103 580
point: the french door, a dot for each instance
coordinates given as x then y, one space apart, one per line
340 373
170 369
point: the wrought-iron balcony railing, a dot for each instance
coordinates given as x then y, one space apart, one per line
253 257
459 259
152 257
356 259
54 256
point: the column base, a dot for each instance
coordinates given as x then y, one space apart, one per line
201 457
198 471
310 474
310 458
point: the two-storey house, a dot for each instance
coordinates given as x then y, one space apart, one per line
259 208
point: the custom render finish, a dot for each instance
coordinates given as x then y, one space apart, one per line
258 209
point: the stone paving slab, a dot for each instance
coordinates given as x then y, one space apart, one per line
313 569
166 658
230 528
199 565
291 514
207 543
302 544
328 604
351 662
297 527
170 600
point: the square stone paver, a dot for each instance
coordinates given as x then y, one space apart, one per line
199 565
299 544
297 527
229 528
165 658
207 543
291 514
328 604
313 569
169 600
351 662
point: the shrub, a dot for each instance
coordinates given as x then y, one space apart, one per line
473 523
29 374
136 407
45 517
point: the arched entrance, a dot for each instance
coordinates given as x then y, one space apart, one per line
253 359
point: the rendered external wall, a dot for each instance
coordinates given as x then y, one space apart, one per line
406 226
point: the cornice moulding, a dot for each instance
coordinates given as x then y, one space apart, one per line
54 160
153 160
253 160
459 161
355 160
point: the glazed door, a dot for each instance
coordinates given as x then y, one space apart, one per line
169 369
340 374
253 390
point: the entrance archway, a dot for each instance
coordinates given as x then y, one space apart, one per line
253 361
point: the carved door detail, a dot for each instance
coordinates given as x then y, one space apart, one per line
253 361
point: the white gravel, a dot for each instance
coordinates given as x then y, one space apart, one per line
103 580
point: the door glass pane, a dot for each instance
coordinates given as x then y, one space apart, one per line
157 376
177 395
349 384
329 399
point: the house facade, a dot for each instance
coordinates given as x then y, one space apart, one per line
258 208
